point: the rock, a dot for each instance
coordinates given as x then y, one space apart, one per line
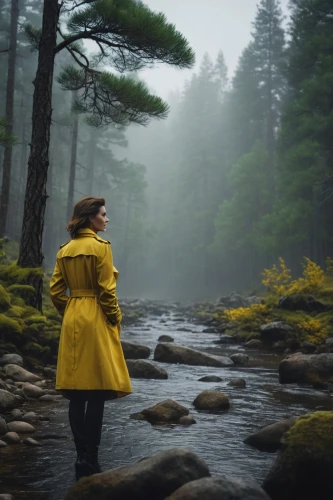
210 378
211 400
299 302
40 383
3 426
250 301
152 478
135 351
19 374
19 392
2 445
137 416
308 347
8 401
236 300
17 413
329 341
11 438
303 471
13 359
48 398
269 438
31 442
30 416
183 329
254 344
219 488
32 391
237 382
186 420
50 372
165 338
168 353
139 368
240 359
167 411
209 330
274 332
306 368
6 496
20 427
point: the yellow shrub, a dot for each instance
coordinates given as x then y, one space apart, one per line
314 330
277 280
245 314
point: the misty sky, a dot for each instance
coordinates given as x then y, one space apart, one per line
209 26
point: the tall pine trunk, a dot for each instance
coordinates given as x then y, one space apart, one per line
270 117
10 90
72 169
91 164
35 196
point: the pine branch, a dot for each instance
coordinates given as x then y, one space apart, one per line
129 35
110 99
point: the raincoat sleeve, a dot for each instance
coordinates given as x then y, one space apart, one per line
58 289
107 286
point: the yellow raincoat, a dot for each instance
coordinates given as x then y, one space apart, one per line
90 355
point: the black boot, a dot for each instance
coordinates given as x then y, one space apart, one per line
80 465
90 461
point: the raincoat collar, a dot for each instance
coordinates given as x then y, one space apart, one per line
90 233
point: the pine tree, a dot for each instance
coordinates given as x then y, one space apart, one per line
128 36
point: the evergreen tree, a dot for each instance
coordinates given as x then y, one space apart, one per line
128 36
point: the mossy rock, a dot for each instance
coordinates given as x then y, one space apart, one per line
4 299
17 301
36 319
15 312
9 348
23 291
304 469
22 275
36 349
9 326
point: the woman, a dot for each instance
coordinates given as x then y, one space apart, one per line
91 367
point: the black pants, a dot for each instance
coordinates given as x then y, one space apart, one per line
86 410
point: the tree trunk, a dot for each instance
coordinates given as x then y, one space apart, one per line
91 164
72 169
7 158
23 159
270 117
30 254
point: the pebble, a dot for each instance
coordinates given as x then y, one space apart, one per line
32 391
49 397
30 442
2 445
17 413
11 438
22 427
6 496
30 416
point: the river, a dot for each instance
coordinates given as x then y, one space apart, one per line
47 472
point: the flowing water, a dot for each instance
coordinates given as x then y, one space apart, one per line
46 473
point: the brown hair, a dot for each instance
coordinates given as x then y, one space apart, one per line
85 208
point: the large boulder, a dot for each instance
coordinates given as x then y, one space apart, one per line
219 488
139 368
274 332
299 302
20 427
167 411
254 344
153 478
269 438
211 400
14 359
32 391
19 374
8 401
169 353
132 350
303 471
306 368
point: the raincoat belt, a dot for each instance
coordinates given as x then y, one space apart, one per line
84 292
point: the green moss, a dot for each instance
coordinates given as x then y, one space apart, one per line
15 312
9 326
13 274
4 299
23 291
17 301
311 435
35 319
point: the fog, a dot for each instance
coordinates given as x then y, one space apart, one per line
202 201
